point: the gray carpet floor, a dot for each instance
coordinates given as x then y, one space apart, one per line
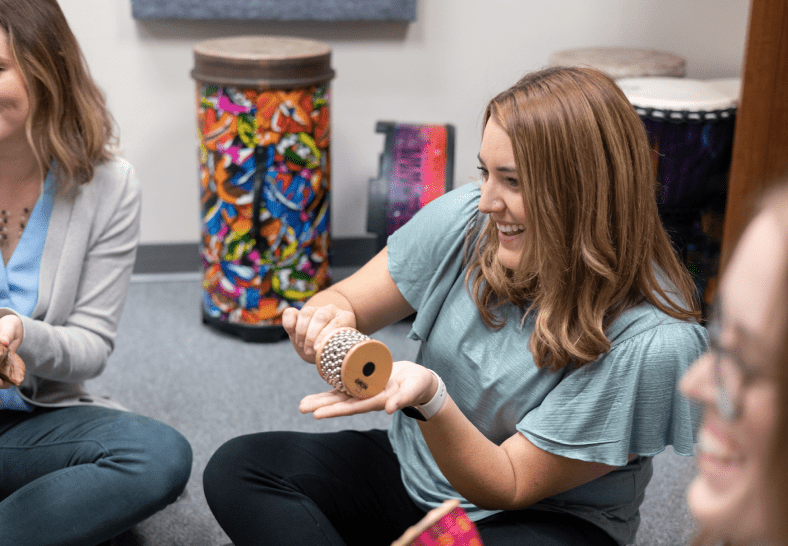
212 386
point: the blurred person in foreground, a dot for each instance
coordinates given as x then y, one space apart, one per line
740 494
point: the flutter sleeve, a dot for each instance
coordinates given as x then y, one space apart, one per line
625 402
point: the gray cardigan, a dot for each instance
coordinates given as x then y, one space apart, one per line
88 257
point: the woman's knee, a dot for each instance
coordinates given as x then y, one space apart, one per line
177 461
246 463
172 460
157 453
221 473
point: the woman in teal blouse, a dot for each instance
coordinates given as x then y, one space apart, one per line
555 321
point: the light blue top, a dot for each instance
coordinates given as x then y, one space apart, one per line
625 402
19 278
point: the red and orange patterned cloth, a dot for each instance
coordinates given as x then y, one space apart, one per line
250 278
447 525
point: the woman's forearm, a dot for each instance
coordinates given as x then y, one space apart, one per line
478 469
330 296
509 476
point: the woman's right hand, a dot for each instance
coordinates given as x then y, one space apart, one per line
309 327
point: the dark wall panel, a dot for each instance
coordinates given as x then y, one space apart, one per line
277 10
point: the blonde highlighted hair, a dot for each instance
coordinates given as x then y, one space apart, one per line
596 246
68 121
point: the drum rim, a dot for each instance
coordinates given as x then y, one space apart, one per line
623 62
263 71
261 84
204 49
685 116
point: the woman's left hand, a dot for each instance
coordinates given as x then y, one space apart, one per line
11 331
410 384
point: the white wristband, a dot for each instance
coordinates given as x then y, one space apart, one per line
423 412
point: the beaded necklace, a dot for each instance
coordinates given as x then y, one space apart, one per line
6 224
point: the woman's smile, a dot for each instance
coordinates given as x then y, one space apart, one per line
718 459
510 229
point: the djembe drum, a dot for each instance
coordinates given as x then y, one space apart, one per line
263 127
353 363
690 126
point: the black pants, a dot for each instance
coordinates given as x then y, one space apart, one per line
344 488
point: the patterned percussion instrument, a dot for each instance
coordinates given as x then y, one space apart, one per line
416 166
446 525
353 363
263 127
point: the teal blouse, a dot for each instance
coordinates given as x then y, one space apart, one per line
625 402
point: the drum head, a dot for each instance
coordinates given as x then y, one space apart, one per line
621 62
730 87
262 61
676 94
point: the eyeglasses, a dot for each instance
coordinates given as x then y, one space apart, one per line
732 374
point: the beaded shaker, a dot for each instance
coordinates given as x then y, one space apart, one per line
353 363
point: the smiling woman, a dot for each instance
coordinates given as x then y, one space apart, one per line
741 488
554 321
74 468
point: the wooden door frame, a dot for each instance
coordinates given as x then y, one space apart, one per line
760 146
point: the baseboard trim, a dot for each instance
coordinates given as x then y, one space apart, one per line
347 251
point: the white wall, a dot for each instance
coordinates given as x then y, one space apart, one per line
441 69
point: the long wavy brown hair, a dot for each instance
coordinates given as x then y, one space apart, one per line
68 121
596 245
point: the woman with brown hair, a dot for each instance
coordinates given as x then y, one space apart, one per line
75 469
740 493
555 321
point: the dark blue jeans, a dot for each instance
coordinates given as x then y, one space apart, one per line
81 475
344 488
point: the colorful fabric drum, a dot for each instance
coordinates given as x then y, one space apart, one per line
620 62
263 127
416 166
690 125
446 525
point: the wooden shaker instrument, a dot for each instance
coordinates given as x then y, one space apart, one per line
12 368
353 363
